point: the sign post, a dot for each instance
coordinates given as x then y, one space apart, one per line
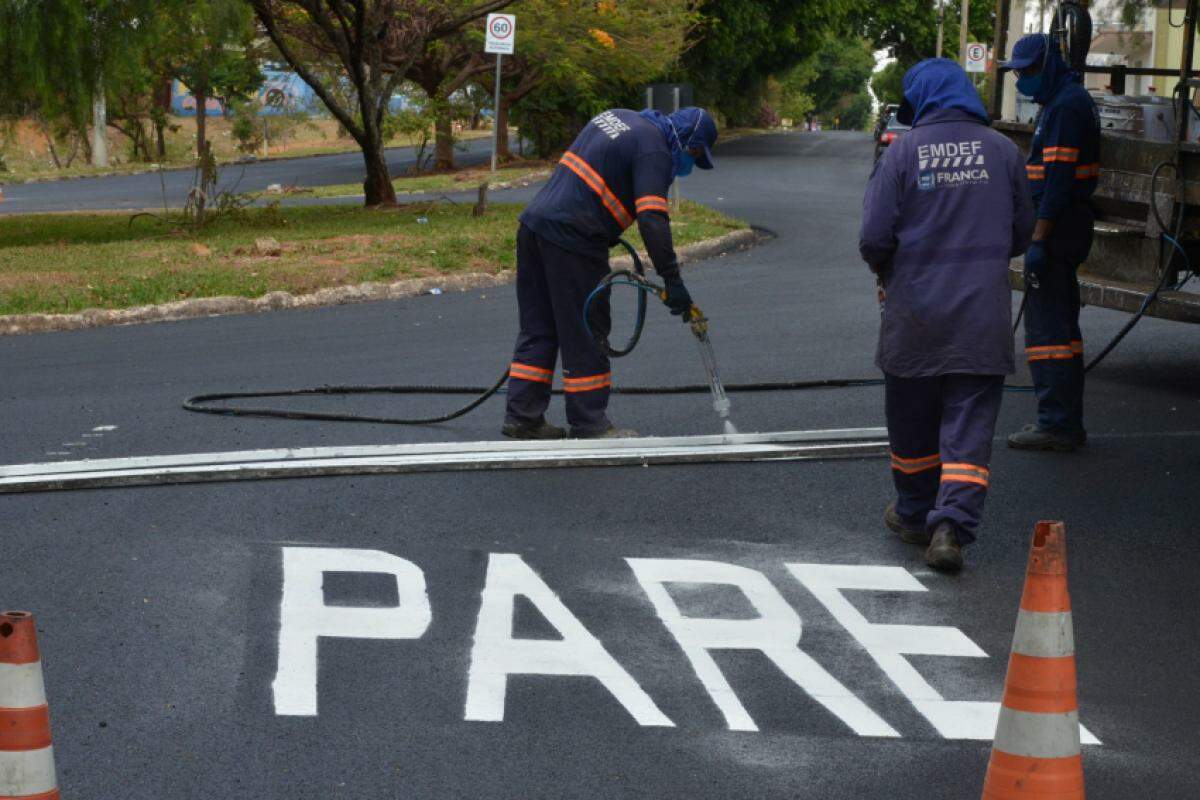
500 36
976 57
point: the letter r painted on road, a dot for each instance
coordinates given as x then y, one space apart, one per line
304 618
775 633
497 654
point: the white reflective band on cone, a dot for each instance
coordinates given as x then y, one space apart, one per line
21 685
27 772
1021 733
1044 635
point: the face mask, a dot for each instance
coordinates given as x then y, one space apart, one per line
683 164
1030 85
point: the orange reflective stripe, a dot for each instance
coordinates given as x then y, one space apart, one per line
527 372
1010 777
1065 155
1035 172
588 383
24 728
1040 685
1087 171
597 185
1077 348
1049 352
911 466
652 203
965 473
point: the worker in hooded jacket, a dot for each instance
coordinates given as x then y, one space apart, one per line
945 210
1063 170
618 170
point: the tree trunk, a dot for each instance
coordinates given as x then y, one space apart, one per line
502 151
162 101
377 187
444 140
201 121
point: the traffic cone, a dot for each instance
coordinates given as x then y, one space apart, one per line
26 755
1036 752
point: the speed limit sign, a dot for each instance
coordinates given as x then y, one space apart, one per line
976 58
501 33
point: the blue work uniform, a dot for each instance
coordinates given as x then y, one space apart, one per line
618 170
1063 170
946 209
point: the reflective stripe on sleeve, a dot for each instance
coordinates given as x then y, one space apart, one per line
652 203
1062 155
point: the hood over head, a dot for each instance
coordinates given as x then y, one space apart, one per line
938 84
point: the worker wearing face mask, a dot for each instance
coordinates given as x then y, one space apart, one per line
1063 170
617 171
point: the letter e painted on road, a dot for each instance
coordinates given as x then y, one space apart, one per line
304 617
496 654
889 644
776 633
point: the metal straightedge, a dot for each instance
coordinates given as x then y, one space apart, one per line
440 457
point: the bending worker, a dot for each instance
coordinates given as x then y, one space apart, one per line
1063 169
619 168
945 210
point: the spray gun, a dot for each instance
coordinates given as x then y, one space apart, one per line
699 324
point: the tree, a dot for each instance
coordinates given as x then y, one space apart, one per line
828 80
586 55
740 43
371 44
446 66
208 45
888 83
908 28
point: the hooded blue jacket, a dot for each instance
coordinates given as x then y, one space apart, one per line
1064 160
946 208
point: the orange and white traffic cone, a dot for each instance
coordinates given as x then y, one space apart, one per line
1036 752
26 754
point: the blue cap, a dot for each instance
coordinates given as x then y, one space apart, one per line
702 134
1028 51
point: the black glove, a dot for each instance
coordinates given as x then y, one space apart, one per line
1035 264
677 299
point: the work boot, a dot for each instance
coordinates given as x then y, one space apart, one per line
526 429
913 534
611 432
1031 437
944 552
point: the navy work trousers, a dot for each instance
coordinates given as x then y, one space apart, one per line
940 429
1054 347
552 286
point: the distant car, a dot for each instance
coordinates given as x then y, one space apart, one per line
889 133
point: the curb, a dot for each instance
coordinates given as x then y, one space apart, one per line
17 324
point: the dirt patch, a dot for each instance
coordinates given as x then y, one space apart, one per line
31 281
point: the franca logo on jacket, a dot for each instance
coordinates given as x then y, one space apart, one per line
610 124
945 165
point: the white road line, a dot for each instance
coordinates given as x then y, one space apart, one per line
317 461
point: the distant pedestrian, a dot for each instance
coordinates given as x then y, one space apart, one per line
946 208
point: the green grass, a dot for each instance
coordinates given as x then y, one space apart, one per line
63 263
457 181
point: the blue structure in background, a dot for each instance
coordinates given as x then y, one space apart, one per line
281 93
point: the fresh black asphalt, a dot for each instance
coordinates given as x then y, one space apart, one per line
159 607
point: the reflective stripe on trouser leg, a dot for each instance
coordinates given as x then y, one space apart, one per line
913 409
970 406
537 343
1051 328
571 277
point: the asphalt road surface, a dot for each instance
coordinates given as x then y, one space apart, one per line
170 187
180 625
